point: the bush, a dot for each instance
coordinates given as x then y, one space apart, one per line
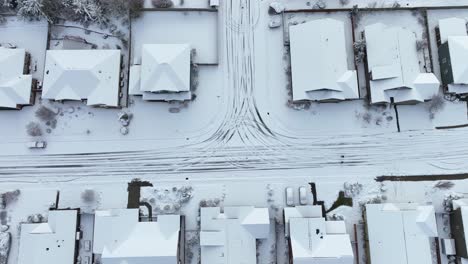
88 196
162 3
34 129
344 2
45 114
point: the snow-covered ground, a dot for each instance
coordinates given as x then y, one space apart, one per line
240 141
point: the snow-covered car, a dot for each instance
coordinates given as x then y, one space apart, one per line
289 196
302 195
87 245
37 144
7 45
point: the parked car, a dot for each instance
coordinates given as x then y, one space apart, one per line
37 144
289 196
87 245
303 195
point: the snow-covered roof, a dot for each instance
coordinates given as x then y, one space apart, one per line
454 32
230 237
399 233
319 62
15 86
462 204
314 240
458 47
309 211
452 27
92 75
51 242
120 238
164 73
394 66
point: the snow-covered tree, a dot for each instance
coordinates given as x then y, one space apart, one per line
32 10
87 10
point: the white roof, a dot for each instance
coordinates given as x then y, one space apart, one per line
314 240
319 62
308 211
454 31
51 242
92 75
15 87
452 27
458 48
399 233
230 237
120 238
311 242
394 66
462 204
164 73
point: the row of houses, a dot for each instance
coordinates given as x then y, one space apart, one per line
321 72
95 76
227 235
402 233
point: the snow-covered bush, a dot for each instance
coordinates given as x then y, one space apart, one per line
359 50
352 189
45 114
444 185
34 129
5 242
320 4
344 2
7 198
436 104
135 7
89 196
421 44
162 3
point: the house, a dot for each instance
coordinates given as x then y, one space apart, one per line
164 73
230 235
119 237
400 233
16 84
453 54
459 226
51 242
90 75
319 62
394 74
314 240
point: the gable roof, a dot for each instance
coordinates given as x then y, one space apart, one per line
92 75
51 242
405 238
319 62
458 48
394 66
135 242
311 242
315 240
15 87
230 237
452 27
